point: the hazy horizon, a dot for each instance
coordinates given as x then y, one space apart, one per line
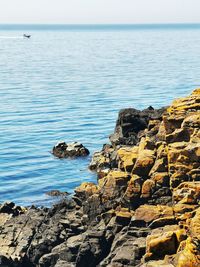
100 12
102 24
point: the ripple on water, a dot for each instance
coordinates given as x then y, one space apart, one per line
70 85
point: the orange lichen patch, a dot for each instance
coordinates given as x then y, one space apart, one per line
149 213
195 226
114 184
191 102
127 157
87 189
180 209
124 212
144 162
187 193
114 177
196 92
147 188
189 257
134 187
123 215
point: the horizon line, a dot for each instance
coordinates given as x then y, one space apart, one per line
104 24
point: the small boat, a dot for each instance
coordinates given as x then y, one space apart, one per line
26 36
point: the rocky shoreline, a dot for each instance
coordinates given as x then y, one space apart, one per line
144 210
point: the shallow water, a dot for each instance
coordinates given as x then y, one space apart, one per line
69 84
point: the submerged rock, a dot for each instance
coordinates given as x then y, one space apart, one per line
57 193
71 150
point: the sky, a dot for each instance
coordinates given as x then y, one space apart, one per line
99 11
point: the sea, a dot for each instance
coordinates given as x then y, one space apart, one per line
68 83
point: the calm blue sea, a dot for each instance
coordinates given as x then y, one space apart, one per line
69 82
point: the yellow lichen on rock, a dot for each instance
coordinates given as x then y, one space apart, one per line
114 183
134 187
86 189
149 213
187 193
127 157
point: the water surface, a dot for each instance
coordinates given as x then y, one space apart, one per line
68 83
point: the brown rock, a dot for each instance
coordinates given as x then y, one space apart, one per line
187 193
114 184
164 241
161 178
127 157
85 190
178 135
123 216
149 213
148 188
144 162
134 187
160 165
159 246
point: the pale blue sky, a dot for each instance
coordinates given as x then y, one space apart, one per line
99 11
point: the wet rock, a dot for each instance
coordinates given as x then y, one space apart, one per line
127 248
11 208
64 150
93 207
57 193
105 159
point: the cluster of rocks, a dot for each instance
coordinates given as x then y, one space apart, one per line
144 211
71 150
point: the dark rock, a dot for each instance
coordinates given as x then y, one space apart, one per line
57 193
5 262
127 249
131 122
71 150
11 208
105 159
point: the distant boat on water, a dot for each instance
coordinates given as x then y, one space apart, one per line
27 36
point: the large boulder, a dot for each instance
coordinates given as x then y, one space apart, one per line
131 122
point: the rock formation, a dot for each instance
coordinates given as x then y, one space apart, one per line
71 150
144 210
